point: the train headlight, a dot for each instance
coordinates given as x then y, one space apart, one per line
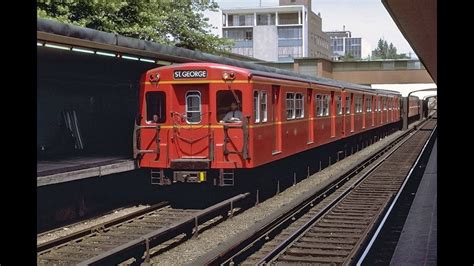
154 77
228 76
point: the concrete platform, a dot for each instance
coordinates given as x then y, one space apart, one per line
418 241
74 168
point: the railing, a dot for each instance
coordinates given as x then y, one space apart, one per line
244 126
137 139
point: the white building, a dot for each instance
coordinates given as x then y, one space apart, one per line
278 33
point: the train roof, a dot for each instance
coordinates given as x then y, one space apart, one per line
180 54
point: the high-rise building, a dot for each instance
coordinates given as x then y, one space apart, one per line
278 33
343 44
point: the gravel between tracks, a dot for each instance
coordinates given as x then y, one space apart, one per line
67 230
191 250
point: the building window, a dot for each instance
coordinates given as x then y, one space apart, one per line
263 106
348 105
266 19
290 43
285 33
299 105
224 100
290 105
240 20
239 35
384 102
339 105
155 107
287 18
193 107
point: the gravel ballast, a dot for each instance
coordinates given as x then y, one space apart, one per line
213 241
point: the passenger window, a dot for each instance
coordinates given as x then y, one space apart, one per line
299 105
290 105
326 105
256 109
348 104
155 107
263 106
322 105
319 105
339 105
226 101
193 107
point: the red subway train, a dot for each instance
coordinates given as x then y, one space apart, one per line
197 122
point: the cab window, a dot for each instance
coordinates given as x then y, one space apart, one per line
155 107
224 100
193 107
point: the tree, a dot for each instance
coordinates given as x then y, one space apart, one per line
386 51
171 22
347 57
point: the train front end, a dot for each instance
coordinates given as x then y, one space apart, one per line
192 123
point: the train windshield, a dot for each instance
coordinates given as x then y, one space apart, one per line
229 106
155 107
193 107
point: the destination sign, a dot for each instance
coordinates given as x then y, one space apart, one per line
190 74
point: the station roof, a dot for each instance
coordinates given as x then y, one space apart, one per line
417 21
74 36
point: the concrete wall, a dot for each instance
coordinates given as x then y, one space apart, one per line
384 76
314 32
102 90
360 72
265 42
325 69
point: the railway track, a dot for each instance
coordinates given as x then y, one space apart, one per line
131 236
333 226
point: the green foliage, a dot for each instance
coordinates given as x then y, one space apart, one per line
347 57
386 51
171 22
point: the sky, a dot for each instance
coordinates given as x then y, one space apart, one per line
367 19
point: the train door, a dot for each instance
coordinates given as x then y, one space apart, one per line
372 109
276 118
339 114
381 99
347 113
311 115
332 114
364 109
352 115
191 121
